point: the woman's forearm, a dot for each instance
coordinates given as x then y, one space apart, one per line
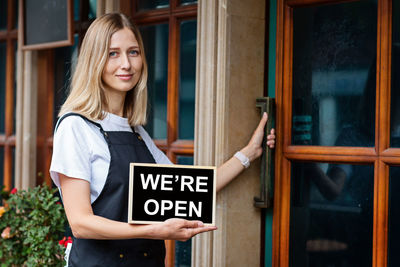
228 171
233 167
90 226
85 224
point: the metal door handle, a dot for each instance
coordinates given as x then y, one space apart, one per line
266 104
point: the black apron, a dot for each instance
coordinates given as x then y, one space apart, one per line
112 203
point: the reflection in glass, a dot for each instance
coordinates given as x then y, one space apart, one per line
92 9
64 65
394 217
334 74
331 215
3 15
188 2
187 76
395 90
3 53
143 5
155 40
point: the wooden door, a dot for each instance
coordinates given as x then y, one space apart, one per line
337 155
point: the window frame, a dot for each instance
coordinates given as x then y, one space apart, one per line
46 97
173 15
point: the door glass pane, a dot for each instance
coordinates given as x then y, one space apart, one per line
3 53
187 76
155 40
334 74
394 217
3 15
395 91
143 5
331 215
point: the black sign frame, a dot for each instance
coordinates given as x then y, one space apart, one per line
48 26
185 187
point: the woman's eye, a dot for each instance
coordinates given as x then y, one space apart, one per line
134 52
112 54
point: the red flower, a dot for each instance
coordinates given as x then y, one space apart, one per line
62 241
58 202
13 191
69 241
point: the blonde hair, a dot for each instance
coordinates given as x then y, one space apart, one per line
86 95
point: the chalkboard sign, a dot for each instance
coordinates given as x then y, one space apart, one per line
46 23
160 192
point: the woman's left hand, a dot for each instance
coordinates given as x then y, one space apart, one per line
254 148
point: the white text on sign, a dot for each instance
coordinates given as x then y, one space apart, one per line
165 181
181 208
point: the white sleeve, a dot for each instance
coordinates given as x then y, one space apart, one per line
71 154
158 155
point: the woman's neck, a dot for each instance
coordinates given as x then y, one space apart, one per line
115 102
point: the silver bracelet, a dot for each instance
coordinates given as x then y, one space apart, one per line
243 159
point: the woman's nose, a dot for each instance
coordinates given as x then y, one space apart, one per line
125 63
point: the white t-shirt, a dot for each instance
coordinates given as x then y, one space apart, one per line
80 150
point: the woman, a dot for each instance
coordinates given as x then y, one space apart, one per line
98 134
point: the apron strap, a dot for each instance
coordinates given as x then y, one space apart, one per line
80 115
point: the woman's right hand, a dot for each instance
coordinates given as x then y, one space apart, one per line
180 229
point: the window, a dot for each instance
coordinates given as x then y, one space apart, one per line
55 67
169 30
8 54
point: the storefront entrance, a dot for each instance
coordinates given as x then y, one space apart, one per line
337 173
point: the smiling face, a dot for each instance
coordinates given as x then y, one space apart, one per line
124 64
